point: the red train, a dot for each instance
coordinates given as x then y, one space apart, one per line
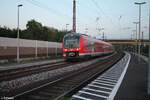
77 45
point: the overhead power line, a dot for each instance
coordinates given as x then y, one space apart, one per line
100 10
45 7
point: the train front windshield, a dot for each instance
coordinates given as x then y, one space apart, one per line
71 41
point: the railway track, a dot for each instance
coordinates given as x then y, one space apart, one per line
66 82
105 86
26 71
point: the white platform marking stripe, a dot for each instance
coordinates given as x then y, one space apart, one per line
111 73
107 79
115 89
103 87
96 90
80 97
111 77
101 96
103 84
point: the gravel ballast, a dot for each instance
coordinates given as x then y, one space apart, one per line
6 86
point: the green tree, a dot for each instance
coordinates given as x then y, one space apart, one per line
35 31
34 28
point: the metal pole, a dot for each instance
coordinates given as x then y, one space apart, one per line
66 26
142 44
136 28
35 48
103 36
47 49
86 30
18 41
139 29
139 42
149 56
136 46
74 15
139 24
120 31
136 39
56 49
18 38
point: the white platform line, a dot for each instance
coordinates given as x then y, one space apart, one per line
109 76
115 89
96 90
103 84
107 80
80 97
103 87
112 72
101 96
112 75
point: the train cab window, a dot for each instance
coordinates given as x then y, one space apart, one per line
71 41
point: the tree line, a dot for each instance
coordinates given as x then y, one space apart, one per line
35 31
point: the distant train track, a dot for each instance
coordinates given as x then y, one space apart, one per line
26 71
52 89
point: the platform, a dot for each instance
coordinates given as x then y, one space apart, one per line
126 80
134 84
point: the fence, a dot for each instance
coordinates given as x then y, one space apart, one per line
28 48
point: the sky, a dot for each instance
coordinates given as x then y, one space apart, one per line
114 17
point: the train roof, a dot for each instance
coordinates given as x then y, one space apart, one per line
91 38
79 34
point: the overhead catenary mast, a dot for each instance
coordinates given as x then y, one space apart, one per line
74 16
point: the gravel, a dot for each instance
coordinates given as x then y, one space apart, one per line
6 86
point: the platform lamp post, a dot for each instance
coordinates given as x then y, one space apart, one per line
139 42
18 46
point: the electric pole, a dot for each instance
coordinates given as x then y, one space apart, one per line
74 16
103 36
136 23
86 30
67 27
